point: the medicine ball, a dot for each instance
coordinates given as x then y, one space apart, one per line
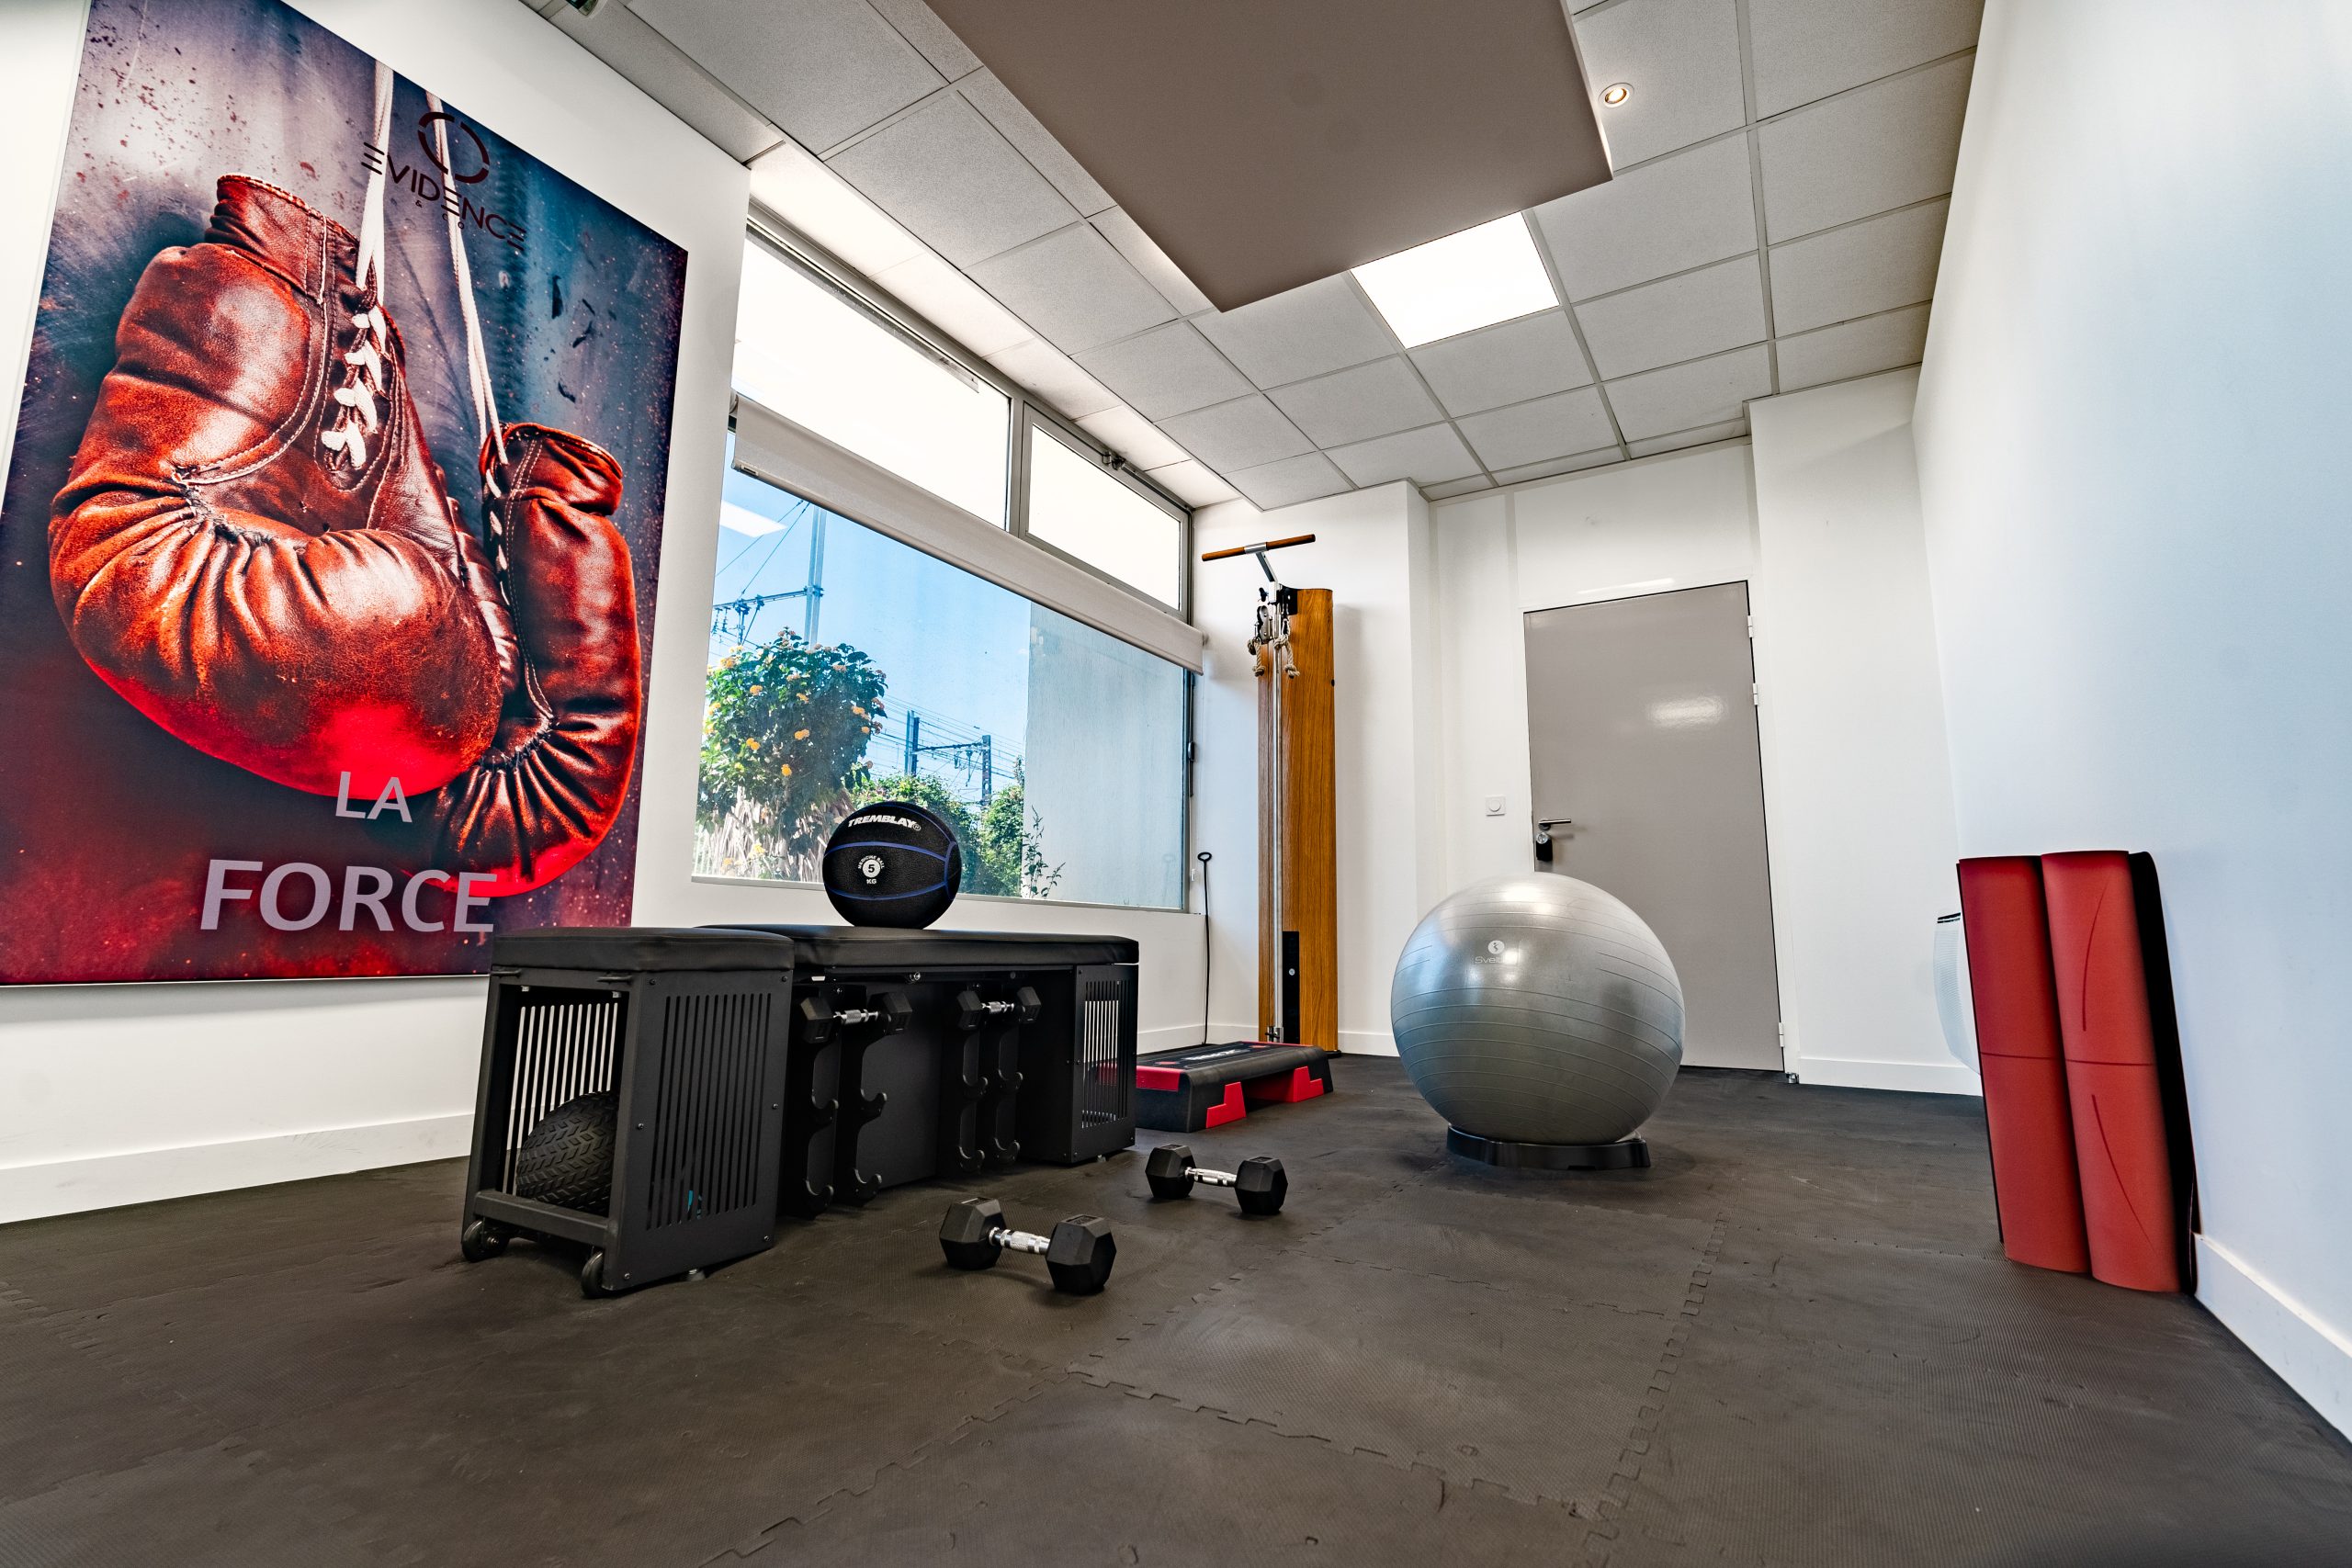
892 863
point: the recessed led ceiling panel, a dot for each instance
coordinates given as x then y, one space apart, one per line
1266 144
1460 283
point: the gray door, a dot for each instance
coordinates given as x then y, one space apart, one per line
1641 722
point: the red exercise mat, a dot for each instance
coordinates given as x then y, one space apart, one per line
2131 1211
2022 1062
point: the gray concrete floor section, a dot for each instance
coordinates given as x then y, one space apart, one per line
1793 1341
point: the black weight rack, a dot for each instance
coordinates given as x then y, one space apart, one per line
688 1031
920 1054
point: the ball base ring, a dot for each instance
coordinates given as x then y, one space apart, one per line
1626 1154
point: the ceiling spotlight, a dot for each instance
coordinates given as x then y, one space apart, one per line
1616 93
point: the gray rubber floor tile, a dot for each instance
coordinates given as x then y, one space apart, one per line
1082 1475
1476 1383
682 1420
63 1412
1565 1253
1773 1451
210 1508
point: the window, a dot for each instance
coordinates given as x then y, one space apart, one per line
1083 508
846 666
822 362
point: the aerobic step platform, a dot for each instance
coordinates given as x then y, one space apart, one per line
1207 1086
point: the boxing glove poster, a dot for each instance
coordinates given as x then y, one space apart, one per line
327 552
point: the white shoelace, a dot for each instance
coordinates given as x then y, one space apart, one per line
365 375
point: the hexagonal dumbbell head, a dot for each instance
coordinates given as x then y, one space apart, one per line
1260 1185
1169 1170
969 1234
1080 1253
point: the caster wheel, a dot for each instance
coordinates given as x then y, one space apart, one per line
592 1276
480 1239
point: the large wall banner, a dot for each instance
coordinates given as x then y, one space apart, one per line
327 552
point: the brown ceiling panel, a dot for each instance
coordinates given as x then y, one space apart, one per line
1266 143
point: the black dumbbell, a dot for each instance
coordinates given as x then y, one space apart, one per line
1077 1254
1259 1183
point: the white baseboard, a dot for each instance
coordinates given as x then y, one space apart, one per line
1367 1043
1911 1077
143 1175
2315 1359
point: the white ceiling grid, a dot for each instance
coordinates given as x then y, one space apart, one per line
1781 174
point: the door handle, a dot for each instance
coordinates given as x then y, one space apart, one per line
1543 826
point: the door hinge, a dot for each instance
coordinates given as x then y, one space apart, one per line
1751 627
1756 693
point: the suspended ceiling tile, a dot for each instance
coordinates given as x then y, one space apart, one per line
1507 363
1706 433
1192 482
954 303
1854 348
1265 146
1558 466
1681 396
1430 456
1307 331
936 39
627 42
944 172
1033 141
1168 371
1073 289
1805 50
1545 428
1689 317
1055 378
1859 270
1886 145
795 187
1290 482
1134 437
1681 60
1680 212
1244 434
1357 404
824 70
1453 488
1148 259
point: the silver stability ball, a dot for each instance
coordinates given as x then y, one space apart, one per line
1538 1010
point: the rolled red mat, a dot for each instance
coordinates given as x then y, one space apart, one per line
2022 1062
2113 1076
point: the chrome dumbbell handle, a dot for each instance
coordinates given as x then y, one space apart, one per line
1020 1241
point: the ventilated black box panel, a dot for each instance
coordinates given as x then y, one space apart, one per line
693 1054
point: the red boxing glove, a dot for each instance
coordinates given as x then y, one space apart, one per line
255 547
552 786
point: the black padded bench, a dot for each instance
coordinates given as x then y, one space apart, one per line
767 1070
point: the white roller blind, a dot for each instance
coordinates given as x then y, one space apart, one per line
781 452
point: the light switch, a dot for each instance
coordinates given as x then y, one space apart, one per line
1494 806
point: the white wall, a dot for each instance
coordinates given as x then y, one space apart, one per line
2130 440
1820 517
1366 544
1857 776
121 1094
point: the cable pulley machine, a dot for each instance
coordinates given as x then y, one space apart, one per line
1297 851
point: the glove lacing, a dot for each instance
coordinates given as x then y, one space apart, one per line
366 378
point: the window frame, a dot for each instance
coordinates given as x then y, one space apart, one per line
1024 413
